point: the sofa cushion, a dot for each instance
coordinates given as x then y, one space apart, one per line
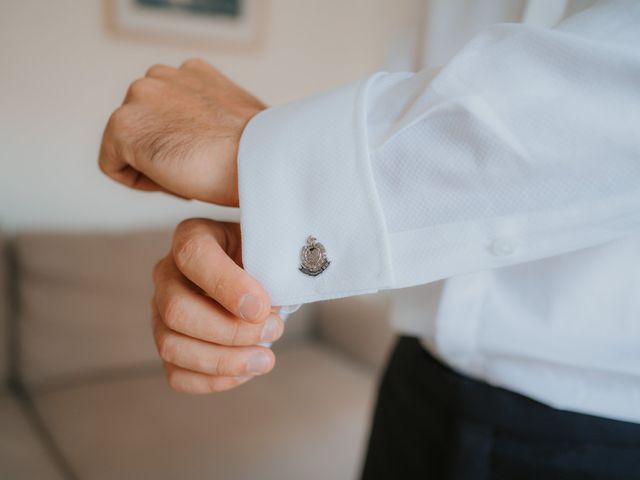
359 326
84 301
22 455
307 419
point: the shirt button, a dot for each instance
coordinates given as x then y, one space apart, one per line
502 247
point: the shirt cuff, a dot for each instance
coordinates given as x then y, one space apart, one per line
304 169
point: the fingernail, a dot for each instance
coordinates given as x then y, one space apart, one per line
250 307
271 329
259 363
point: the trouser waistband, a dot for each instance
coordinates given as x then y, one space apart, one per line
483 404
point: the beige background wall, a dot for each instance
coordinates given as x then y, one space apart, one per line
62 73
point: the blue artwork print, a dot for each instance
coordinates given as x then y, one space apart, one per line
224 8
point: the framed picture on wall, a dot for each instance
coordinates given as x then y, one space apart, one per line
230 23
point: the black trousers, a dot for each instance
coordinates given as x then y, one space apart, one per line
433 423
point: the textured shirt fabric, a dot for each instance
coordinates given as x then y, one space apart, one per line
509 181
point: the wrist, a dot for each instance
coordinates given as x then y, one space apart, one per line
234 196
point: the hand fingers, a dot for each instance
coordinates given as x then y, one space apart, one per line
199 250
145 88
115 167
198 64
117 162
209 359
186 381
115 158
160 71
187 311
112 159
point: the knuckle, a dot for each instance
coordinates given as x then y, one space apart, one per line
217 287
186 243
221 364
187 227
103 162
138 87
119 121
193 62
174 314
167 347
156 272
186 250
156 70
234 334
175 382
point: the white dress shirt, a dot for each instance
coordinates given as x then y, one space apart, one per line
500 200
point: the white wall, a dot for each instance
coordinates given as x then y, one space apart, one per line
62 73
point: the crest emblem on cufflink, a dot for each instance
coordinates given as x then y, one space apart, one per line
313 257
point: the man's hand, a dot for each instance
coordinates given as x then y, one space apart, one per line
208 313
178 131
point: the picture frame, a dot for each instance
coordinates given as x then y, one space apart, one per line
237 24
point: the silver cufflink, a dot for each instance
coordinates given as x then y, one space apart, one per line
313 257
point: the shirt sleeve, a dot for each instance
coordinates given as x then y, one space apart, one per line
526 145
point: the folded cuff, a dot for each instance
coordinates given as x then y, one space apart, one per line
304 169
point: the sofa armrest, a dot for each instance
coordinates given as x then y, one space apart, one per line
358 326
24 453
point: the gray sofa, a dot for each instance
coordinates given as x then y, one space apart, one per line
83 395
